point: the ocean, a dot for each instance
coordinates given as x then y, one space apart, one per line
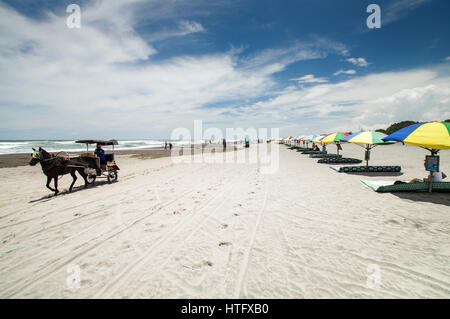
25 146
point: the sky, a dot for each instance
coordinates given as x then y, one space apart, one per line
140 69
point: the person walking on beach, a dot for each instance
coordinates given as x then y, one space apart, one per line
170 146
165 145
224 142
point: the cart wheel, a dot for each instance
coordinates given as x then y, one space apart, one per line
91 179
112 177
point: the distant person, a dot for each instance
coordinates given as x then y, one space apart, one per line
316 148
101 155
170 146
165 145
224 143
437 177
324 148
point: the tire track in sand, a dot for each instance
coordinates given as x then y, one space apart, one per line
22 286
121 279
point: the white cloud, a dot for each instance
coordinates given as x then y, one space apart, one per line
310 78
372 101
102 78
183 28
191 26
349 72
447 58
361 62
399 9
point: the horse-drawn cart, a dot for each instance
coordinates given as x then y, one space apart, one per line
101 165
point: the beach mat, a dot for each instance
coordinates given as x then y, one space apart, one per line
374 185
362 169
340 160
314 152
389 187
324 156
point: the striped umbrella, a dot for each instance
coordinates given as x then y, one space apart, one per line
309 138
289 139
369 140
336 139
433 136
319 138
299 138
302 139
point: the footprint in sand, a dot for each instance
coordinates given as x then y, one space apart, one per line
8 238
86 283
224 243
391 221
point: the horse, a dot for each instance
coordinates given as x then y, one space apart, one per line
54 166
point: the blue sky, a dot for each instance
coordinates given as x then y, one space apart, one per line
139 69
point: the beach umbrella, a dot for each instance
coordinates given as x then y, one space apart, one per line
309 138
318 138
369 140
334 138
302 139
433 136
288 139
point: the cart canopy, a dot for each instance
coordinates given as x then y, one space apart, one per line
99 142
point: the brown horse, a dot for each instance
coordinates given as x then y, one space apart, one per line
54 166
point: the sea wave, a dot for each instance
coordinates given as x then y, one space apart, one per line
24 146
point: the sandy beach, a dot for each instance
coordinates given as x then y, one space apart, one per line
206 230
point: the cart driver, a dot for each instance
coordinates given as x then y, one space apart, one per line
100 153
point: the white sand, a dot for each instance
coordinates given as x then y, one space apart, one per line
225 230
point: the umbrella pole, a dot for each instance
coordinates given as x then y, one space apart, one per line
337 149
367 158
430 182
